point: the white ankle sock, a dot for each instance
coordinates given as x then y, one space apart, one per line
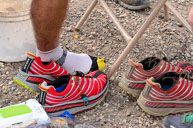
53 54
77 62
73 61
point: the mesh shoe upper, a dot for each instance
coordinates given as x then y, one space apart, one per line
169 93
74 87
170 86
133 81
34 72
34 65
149 67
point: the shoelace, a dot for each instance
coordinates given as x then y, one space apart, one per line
83 96
185 74
155 62
188 118
151 61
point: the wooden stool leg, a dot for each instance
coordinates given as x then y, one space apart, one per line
166 13
115 20
180 18
86 14
136 38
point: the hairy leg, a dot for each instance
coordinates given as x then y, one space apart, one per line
190 18
47 18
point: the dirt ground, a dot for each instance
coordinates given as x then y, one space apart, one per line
100 37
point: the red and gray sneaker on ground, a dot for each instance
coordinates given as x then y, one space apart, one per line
134 4
34 72
73 93
179 121
133 81
168 94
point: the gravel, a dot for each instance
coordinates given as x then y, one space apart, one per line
100 37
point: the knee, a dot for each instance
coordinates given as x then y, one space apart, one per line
190 17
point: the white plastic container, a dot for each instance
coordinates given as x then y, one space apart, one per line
23 115
16 32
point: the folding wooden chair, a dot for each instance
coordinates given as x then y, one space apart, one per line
132 41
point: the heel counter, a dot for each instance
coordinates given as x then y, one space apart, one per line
27 64
43 92
146 90
42 97
130 70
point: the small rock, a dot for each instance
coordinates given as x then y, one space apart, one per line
7 72
10 82
179 24
13 88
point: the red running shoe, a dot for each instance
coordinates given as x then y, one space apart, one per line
73 93
169 93
133 81
34 72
